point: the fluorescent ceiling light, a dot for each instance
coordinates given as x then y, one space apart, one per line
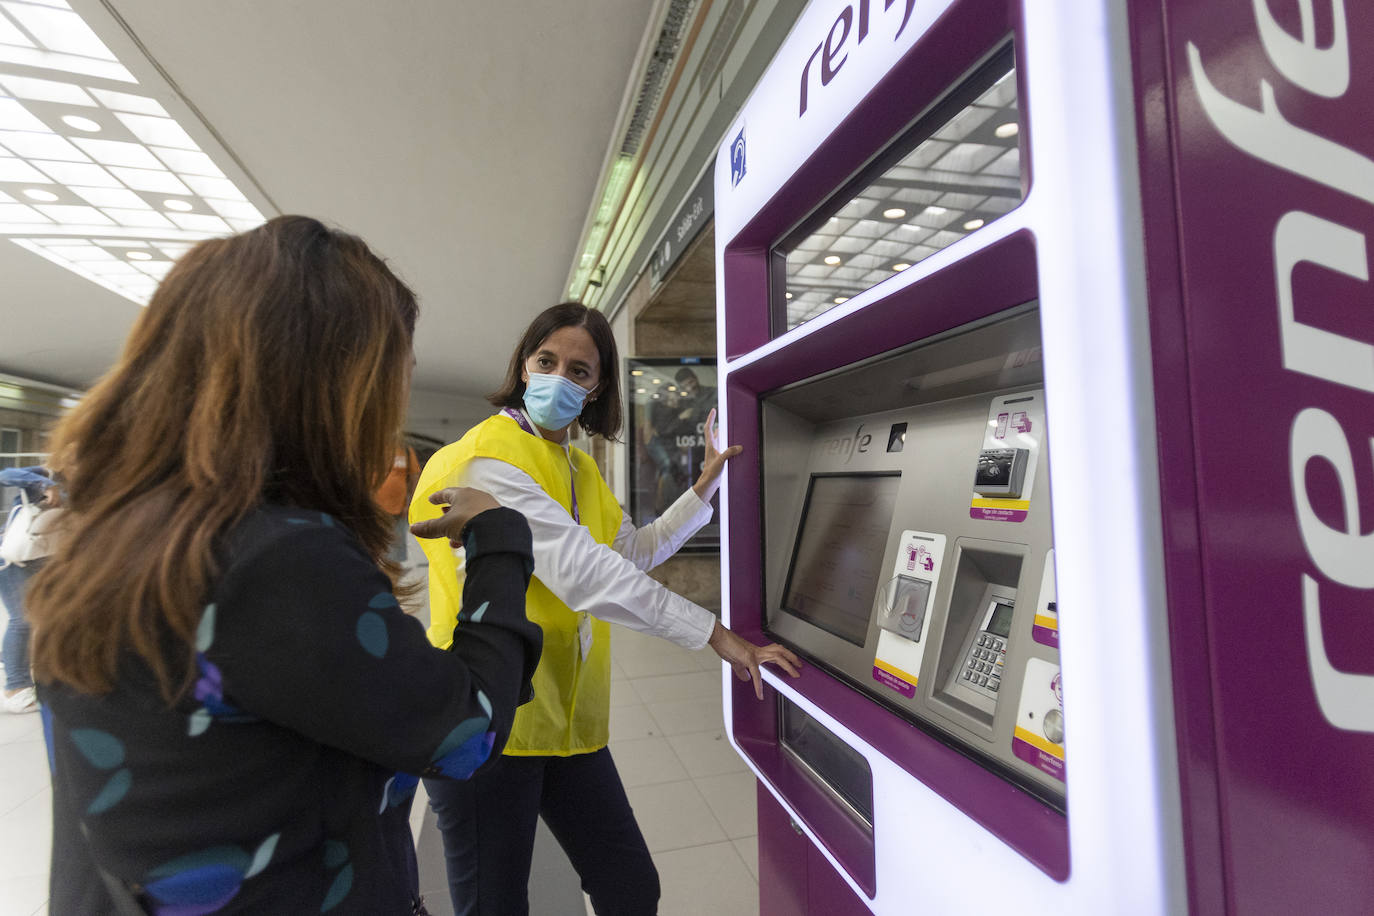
31 146
81 123
97 197
158 181
900 266
1010 129
832 260
894 213
840 300
973 224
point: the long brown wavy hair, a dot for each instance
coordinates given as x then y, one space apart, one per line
270 366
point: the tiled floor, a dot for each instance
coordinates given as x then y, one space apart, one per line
25 816
692 794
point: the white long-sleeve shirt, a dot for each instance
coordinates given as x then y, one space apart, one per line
606 581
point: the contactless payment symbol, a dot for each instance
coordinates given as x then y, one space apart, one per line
737 159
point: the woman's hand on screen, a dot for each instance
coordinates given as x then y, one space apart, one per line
459 505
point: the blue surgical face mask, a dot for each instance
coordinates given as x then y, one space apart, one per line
553 401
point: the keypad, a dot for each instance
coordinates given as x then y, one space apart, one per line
983 667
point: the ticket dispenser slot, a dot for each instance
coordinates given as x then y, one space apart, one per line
978 633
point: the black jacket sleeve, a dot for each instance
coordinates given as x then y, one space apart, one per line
306 633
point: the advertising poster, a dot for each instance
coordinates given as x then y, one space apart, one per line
667 401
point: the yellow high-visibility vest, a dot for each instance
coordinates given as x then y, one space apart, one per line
571 710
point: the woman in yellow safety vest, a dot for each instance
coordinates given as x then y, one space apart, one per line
589 561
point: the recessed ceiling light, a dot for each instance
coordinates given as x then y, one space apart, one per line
787 295
1010 129
973 224
899 267
174 204
81 123
832 260
636 371
36 194
658 381
894 213
841 300
936 210
639 391
140 256
655 397
672 388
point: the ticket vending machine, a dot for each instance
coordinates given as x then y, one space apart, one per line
1046 332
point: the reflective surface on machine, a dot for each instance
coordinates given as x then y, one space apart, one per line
964 174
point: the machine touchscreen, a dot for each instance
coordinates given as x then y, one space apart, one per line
840 552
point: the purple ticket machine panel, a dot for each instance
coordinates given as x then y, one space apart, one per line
1005 292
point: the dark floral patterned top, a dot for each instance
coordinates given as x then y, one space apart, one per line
282 782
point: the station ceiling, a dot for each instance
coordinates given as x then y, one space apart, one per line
462 140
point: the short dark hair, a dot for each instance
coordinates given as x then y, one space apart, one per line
601 417
684 374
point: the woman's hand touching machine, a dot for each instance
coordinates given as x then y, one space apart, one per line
745 657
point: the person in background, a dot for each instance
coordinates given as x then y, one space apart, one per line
394 496
237 711
39 488
589 561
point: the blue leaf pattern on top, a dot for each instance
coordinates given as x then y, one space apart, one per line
112 793
209 689
372 634
102 749
199 883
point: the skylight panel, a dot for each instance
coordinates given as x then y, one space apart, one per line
40 90
118 152
151 191
78 173
157 131
30 145
18 170
56 29
112 197
158 181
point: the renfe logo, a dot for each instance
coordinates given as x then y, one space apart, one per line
1341 555
847 445
832 60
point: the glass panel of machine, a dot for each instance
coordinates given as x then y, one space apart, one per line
1000 624
963 174
840 552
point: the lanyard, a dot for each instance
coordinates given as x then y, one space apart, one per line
519 417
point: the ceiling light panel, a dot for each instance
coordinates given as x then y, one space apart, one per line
964 174
101 157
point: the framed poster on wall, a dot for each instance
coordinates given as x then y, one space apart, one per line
668 400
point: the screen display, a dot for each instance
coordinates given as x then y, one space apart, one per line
1000 624
841 552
